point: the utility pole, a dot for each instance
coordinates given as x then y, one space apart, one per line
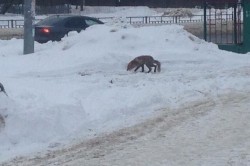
29 32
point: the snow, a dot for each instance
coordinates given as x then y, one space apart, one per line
122 11
105 11
209 135
79 87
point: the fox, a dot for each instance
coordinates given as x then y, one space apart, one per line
142 60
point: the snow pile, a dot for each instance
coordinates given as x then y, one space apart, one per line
79 87
180 12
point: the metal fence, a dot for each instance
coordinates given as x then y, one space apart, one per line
131 20
164 19
11 23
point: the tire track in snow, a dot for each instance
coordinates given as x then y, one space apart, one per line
97 150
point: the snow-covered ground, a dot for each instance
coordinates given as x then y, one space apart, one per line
79 88
123 11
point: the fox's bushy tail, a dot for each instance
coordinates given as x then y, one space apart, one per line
158 65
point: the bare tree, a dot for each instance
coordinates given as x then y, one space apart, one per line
6 6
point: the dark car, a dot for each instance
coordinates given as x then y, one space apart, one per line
56 27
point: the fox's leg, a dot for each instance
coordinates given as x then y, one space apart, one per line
149 67
142 66
155 68
153 65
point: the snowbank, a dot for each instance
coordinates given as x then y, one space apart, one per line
79 87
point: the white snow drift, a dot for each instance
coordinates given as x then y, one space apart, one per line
79 87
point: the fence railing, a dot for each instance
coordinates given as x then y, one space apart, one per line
157 19
19 23
11 23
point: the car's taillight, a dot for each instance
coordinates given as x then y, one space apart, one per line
45 30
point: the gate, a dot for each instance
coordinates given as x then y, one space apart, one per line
223 21
227 23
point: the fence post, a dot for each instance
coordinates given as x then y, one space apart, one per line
235 23
146 19
11 23
205 21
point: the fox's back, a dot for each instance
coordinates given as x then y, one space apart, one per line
144 59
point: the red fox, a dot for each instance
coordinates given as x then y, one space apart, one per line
144 59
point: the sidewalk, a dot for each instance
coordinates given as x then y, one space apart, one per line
6 34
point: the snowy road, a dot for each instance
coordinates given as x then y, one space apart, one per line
211 132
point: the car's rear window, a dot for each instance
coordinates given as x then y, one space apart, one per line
50 20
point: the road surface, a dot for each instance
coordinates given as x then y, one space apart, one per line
209 132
